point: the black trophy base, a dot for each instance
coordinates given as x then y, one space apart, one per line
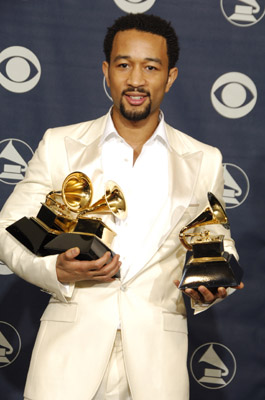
43 242
212 274
31 234
91 247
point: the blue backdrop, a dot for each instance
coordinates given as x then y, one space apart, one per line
50 75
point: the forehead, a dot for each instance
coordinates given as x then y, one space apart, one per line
138 44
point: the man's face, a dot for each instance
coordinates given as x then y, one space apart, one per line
138 74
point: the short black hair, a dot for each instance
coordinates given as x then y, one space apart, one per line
146 23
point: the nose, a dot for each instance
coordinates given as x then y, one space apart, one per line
136 77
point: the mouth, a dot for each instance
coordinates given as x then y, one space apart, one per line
135 99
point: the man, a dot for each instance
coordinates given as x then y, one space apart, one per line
101 337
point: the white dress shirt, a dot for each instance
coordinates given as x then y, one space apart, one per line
146 189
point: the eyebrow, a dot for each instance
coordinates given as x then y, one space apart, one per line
154 59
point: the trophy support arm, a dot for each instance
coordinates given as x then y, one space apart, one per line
183 240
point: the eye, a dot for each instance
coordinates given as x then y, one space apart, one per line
123 65
20 69
234 95
151 68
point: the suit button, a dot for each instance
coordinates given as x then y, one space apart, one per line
123 288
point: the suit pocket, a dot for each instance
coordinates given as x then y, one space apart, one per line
61 312
174 322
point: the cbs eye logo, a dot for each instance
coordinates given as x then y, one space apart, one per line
20 69
233 95
134 6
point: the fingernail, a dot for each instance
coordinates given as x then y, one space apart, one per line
75 252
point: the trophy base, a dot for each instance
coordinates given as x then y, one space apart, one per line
31 234
43 242
225 272
91 247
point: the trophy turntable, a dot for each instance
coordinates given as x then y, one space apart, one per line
209 264
64 220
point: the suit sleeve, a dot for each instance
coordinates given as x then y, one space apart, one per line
26 200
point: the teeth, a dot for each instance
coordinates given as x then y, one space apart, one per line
136 97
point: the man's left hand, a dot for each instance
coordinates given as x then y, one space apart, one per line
204 295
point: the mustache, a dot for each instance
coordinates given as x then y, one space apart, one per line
135 89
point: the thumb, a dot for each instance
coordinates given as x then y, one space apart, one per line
72 253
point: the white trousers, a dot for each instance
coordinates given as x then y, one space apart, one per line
114 385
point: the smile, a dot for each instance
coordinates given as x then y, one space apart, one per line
136 97
135 100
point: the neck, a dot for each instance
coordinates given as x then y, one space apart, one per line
135 133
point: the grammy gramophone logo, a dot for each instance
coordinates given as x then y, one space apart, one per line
14 157
213 365
10 344
243 13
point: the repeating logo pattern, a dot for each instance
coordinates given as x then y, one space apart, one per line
135 6
213 365
233 95
20 69
10 344
14 157
243 13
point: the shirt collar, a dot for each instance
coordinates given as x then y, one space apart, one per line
160 132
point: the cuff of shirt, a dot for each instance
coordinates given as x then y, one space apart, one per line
67 289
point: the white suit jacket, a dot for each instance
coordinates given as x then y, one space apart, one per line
76 334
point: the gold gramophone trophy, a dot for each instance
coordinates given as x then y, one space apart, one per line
64 220
209 264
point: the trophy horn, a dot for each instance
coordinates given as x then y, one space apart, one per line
112 201
77 191
212 214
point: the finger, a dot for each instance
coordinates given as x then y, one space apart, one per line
109 277
241 286
221 292
207 295
106 261
112 268
70 254
101 270
177 282
193 294
105 274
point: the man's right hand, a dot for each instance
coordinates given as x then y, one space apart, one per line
70 270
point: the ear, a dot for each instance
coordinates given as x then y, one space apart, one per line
172 76
105 69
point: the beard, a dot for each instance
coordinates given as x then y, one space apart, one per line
135 115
